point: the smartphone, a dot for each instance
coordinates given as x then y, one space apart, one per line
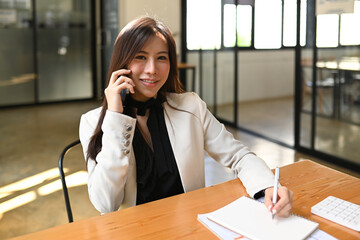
123 94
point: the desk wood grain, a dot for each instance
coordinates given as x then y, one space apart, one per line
176 217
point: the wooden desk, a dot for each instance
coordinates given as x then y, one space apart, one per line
176 217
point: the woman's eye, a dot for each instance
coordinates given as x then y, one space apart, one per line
163 57
140 57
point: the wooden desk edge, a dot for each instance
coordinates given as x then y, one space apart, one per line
112 218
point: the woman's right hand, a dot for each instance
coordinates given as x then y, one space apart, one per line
118 82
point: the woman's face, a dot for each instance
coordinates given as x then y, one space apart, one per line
150 68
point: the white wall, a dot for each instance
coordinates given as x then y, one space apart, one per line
266 74
261 75
225 77
166 11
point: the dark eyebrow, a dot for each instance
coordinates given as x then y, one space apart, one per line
162 52
141 52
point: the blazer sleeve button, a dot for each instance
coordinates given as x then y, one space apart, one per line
126 135
126 142
128 127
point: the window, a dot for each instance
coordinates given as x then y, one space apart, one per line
349 29
327 30
268 24
289 33
237 18
203 24
328 34
303 15
244 25
229 25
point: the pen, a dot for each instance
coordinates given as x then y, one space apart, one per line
276 182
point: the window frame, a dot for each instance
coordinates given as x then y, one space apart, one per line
252 45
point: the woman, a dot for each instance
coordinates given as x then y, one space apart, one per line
149 144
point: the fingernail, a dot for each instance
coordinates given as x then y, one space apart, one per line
269 207
274 211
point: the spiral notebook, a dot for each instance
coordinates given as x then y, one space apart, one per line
252 219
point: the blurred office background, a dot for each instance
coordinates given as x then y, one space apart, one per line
283 75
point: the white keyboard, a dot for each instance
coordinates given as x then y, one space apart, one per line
339 211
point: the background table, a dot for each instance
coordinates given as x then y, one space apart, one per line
182 68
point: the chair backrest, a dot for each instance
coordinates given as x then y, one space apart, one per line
62 177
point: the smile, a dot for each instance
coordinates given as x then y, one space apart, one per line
148 80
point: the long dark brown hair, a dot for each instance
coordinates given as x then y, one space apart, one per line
130 41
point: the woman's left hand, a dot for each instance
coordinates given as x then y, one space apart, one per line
283 205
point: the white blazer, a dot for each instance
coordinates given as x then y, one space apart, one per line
191 128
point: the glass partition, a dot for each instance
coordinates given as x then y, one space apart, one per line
204 62
330 74
266 93
306 96
225 93
338 82
193 58
45 53
110 31
17 78
63 50
208 82
254 82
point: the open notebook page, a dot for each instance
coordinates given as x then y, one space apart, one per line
252 219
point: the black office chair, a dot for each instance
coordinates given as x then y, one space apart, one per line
62 177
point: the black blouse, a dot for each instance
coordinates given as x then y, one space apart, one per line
157 174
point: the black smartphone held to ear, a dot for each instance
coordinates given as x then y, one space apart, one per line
123 94
124 91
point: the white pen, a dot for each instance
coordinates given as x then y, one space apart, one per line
276 183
